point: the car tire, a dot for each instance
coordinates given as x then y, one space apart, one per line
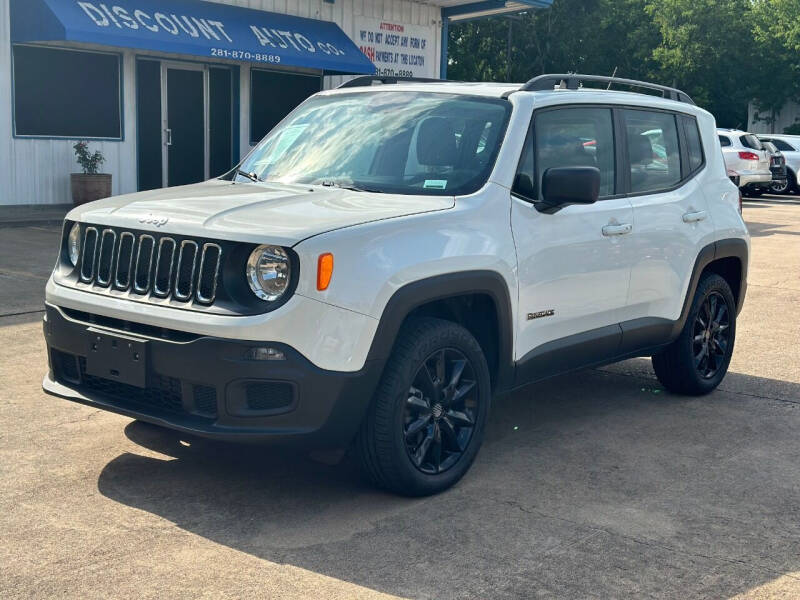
781 188
793 184
426 421
696 362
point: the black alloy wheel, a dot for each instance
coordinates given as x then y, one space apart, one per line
440 411
711 335
697 360
427 418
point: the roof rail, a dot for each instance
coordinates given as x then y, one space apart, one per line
365 80
572 81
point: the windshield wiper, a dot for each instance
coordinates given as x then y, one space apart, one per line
354 188
250 176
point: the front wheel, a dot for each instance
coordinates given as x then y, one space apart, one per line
697 361
426 421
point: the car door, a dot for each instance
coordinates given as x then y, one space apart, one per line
574 264
665 163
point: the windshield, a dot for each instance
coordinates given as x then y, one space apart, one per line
391 142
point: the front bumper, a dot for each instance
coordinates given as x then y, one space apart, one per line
208 386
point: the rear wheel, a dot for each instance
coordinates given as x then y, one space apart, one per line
426 421
780 187
793 185
697 361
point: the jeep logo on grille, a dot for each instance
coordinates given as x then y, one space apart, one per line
151 219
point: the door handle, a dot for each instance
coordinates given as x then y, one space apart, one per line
694 217
169 137
620 229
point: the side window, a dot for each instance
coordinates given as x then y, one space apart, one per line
724 140
783 146
523 181
575 137
654 156
694 146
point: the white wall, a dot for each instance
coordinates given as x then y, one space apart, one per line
788 115
36 171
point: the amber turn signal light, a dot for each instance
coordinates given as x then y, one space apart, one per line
324 271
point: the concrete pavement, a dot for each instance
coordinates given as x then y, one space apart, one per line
594 485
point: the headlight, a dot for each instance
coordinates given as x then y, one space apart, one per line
74 244
268 272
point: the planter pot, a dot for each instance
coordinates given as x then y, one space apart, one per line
87 188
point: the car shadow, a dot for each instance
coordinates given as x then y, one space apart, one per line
594 484
766 229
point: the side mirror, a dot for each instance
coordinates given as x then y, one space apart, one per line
570 185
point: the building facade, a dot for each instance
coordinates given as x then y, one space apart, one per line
164 114
177 91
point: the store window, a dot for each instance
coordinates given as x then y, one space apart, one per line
273 95
66 93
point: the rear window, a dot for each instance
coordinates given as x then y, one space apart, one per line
751 141
724 141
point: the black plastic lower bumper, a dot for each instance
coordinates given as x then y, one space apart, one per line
206 386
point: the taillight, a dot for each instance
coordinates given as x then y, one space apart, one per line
748 155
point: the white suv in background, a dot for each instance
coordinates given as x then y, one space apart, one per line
392 256
789 145
746 157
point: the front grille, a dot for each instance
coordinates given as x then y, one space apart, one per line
205 399
163 394
181 269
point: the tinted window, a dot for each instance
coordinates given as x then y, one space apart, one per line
653 152
273 95
781 145
65 93
750 141
575 137
693 145
724 141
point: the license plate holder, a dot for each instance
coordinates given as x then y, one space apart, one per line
115 357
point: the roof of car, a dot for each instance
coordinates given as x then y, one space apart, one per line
502 90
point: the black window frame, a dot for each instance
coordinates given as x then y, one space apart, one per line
120 96
530 137
320 76
621 163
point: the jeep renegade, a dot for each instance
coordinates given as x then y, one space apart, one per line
392 256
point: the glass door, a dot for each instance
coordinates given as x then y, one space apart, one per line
184 90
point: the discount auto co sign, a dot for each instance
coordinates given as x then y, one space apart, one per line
397 49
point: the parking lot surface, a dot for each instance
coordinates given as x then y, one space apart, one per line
594 485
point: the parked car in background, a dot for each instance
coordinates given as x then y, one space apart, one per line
789 145
777 165
744 154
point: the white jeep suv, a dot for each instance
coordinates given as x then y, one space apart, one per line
392 256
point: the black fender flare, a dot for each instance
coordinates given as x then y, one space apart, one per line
440 287
724 248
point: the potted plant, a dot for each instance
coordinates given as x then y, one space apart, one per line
89 185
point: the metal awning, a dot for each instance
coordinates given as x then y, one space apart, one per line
191 27
462 10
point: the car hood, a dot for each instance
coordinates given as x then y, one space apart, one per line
283 214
